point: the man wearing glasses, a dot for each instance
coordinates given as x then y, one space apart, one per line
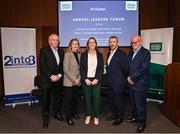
139 60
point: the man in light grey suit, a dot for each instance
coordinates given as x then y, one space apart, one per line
71 80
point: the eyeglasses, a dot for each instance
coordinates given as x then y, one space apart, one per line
135 42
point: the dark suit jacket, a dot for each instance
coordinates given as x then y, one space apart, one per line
48 64
84 66
117 69
139 68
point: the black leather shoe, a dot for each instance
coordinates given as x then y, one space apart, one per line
59 117
110 118
131 120
140 129
45 123
76 116
117 122
70 122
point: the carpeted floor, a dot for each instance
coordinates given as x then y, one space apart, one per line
24 119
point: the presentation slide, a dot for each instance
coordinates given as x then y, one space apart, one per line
99 19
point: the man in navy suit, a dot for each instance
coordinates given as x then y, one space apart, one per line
139 60
117 69
51 74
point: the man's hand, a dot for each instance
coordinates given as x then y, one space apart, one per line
130 81
57 77
54 78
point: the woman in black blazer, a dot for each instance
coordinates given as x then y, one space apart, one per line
91 70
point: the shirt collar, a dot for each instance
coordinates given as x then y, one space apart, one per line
113 51
137 49
54 48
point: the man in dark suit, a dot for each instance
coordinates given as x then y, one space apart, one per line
139 60
117 69
51 74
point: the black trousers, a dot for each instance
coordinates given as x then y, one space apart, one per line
70 100
115 93
51 94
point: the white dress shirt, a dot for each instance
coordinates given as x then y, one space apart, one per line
92 64
111 55
135 52
55 52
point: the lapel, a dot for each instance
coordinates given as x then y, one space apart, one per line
60 55
79 56
73 58
131 55
138 54
116 53
107 58
52 55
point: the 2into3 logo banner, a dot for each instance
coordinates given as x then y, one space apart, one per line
22 61
19 63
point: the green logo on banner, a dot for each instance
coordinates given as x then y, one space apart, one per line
156 46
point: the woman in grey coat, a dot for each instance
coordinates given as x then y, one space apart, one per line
71 80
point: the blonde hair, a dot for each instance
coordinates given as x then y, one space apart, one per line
70 44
